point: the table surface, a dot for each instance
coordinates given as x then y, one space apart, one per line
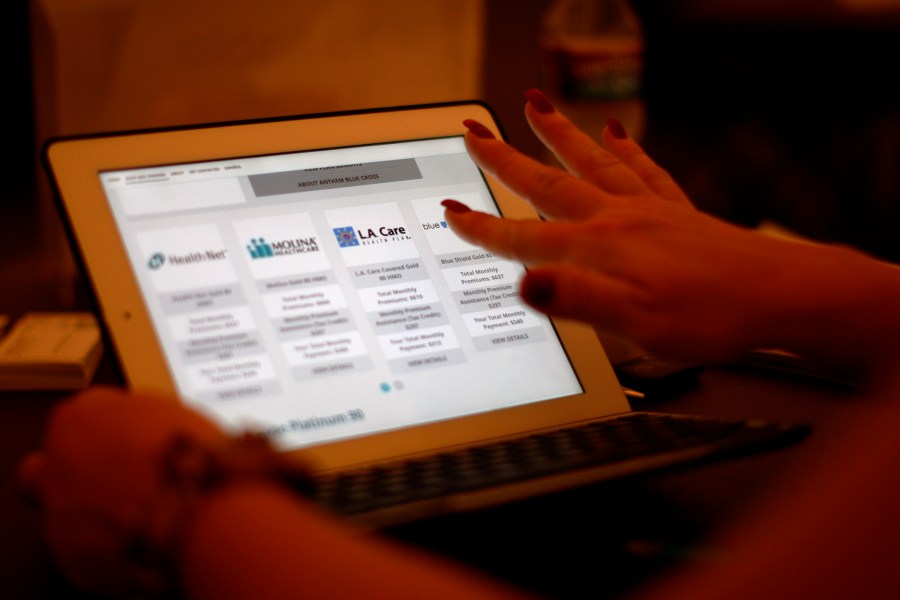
561 545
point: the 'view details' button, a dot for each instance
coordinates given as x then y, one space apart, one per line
519 336
430 361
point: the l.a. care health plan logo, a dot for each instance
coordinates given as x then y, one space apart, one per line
345 236
348 236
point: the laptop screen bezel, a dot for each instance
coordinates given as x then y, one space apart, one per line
76 162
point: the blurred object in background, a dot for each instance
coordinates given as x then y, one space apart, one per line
106 65
592 63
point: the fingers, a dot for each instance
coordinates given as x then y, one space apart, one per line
553 192
564 289
572 292
524 241
622 167
578 152
633 156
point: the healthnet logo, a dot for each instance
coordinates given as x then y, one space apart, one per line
260 248
346 237
156 261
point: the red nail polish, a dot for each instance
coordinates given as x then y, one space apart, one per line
455 206
539 101
478 129
616 128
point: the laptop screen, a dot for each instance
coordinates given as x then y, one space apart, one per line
320 295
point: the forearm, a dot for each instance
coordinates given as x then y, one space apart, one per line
829 530
834 305
257 541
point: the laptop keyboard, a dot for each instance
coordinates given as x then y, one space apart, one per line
598 443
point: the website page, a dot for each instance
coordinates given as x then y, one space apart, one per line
321 295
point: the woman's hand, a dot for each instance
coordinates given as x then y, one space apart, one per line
97 475
626 251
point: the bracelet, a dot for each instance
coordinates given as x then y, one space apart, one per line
191 470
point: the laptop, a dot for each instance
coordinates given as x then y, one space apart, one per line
296 277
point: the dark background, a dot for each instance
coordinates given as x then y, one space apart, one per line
796 120
18 130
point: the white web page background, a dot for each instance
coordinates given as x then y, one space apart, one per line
320 295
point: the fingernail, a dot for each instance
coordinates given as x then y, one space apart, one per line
455 206
538 290
616 128
539 101
478 129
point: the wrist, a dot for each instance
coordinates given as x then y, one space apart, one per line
233 545
193 474
836 306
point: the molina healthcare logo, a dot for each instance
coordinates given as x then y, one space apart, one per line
260 248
